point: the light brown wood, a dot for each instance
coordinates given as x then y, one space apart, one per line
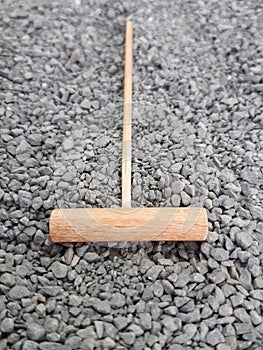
128 224
127 119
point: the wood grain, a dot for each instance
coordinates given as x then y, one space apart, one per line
128 224
127 119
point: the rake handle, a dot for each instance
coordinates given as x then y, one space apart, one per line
127 119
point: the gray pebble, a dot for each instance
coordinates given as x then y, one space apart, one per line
9 97
217 276
18 292
53 346
108 343
154 272
176 200
127 337
8 279
7 325
223 346
35 331
85 104
169 323
219 254
257 294
243 239
91 257
104 306
24 198
215 337
117 300
145 321
60 270
29 345
120 322
243 328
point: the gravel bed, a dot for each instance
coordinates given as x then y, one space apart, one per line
197 140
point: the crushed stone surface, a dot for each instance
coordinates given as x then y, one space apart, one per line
197 141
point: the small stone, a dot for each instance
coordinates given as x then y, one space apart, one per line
28 75
99 328
165 262
146 321
51 291
9 97
73 342
108 343
223 346
24 199
23 151
137 330
215 337
177 187
7 325
147 293
243 239
117 300
194 316
225 219
186 199
127 337
68 144
169 323
243 328
256 211
29 345
85 104
176 200
8 279
182 281
255 318
19 292
242 315
257 294
173 277
102 306
35 331
158 289
87 332
37 203
60 270
171 310
51 324
197 277
154 272
50 345
75 300
225 310
120 322
168 287
219 254
175 168
228 203
102 141
217 276
112 69
38 22
236 299
91 257
190 330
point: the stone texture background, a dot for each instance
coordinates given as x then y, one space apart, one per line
197 140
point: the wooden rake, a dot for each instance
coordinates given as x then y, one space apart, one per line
126 223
